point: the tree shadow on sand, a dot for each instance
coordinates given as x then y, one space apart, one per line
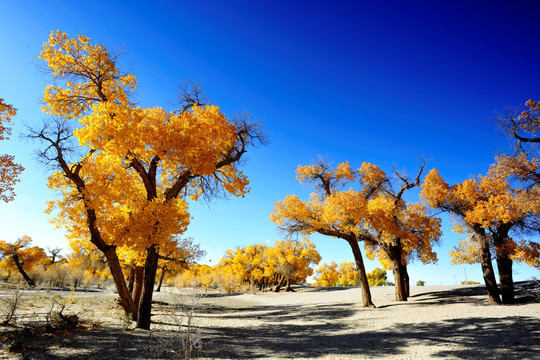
478 338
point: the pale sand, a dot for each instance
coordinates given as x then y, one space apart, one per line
324 323
436 322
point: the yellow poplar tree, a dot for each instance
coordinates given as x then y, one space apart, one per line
330 211
348 276
9 170
292 260
491 212
23 256
327 275
373 213
139 165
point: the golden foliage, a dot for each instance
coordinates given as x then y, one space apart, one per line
487 202
142 162
327 275
256 265
28 256
9 170
368 212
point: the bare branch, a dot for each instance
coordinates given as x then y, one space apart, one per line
190 93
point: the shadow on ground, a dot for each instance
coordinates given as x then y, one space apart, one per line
325 330
478 338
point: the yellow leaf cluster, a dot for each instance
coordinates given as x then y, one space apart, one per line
327 275
137 156
489 203
369 213
9 170
91 75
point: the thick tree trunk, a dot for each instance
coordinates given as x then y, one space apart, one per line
162 276
487 270
400 273
289 288
137 289
504 264
362 277
126 301
29 281
145 305
279 284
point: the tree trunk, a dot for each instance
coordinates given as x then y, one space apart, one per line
504 264
137 289
487 270
163 271
131 279
362 277
126 301
407 282
279 284
289 288
399 271
145 305
29 281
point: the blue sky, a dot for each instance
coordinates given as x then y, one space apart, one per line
383 82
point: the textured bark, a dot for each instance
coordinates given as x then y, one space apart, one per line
400 273
126 301
289 288
407 281
29 281
145 305
487 270
137 290
504 264
131 279
279 284
362 276
163 271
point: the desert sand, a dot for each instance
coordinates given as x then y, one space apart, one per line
446 322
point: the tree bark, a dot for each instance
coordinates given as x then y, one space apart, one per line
487 270
137 290
279 284
504 264
162 276
29 281
126 301
145 305
407 281
131 279
289 288
362 277
399 271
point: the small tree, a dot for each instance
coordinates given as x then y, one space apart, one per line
9 170
377 277
292 260
327 275
23 257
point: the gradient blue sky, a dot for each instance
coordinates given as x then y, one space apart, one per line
378 81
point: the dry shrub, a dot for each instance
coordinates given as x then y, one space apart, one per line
9 304
181 338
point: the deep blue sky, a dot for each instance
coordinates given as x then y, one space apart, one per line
383 82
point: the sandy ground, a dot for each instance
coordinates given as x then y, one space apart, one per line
311 323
